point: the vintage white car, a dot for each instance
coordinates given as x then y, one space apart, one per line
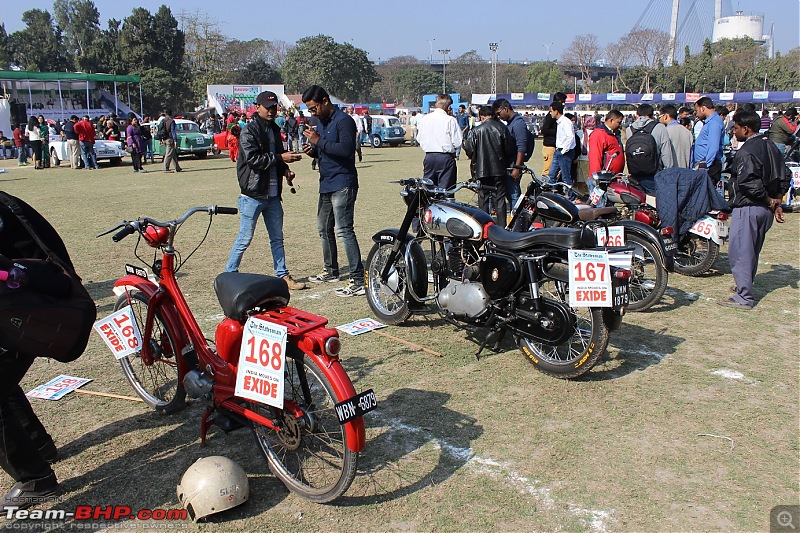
110 150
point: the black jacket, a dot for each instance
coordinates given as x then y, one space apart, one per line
491 147
255 159
753 169
548 130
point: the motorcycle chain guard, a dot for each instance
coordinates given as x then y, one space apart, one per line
561 317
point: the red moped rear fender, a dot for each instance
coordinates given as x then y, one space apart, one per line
343 387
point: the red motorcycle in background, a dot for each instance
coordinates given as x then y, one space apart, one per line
272 367
698 249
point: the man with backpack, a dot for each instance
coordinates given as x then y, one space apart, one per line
167 135
759 181
523 139
648 148
45 280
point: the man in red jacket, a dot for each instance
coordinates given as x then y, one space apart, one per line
85 131
604 143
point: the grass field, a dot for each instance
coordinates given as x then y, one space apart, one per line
690 423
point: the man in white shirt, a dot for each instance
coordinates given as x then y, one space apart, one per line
350 110
565 142
440 137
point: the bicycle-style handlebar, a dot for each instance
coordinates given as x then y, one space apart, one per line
427 185
130 227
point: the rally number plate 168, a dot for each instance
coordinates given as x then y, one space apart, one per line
356 406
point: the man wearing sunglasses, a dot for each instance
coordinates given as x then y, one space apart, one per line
334 143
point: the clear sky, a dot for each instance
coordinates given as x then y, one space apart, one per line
525 29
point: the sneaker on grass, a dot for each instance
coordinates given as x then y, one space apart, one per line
323 277
351 290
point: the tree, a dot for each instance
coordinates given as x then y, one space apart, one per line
415 82
545 77
5 48
583 53
203 50
386 89
257 72
79 24
736 60
782 72
648 49
469 73
38 46
514 75
170 42
618 55
342 69
137 37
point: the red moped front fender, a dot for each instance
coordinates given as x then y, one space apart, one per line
167 309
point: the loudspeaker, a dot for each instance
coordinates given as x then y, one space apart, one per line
19 114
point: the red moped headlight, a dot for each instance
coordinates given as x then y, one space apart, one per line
156 235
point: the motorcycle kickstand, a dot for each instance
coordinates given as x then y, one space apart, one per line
493 326
205 423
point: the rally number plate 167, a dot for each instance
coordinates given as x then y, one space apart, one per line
356 406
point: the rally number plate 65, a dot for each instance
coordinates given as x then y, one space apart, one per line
356 406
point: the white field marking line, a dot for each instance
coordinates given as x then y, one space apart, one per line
655 355
504 472
733 374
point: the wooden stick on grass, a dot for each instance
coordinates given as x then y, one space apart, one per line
107 395
407 343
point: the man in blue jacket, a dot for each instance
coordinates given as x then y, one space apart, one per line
335 146
708 145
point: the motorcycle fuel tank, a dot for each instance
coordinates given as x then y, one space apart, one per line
453 220
555 207
625 193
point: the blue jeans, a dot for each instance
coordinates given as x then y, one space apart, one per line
512 190
336 209
88 155
271 211
562 162
22 154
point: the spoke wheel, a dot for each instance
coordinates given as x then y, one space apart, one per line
387 301
581 351
648 275
157 383
696 255
309 454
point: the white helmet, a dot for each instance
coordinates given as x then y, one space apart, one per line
211 485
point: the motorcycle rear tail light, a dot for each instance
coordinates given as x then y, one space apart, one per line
428 216
486 229
333 346
722 216
669 230
622 273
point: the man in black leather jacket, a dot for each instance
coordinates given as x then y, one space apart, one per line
759 183
491 147
261 167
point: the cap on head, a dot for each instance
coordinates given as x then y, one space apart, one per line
267 99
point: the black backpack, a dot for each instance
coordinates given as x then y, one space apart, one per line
52 314
161 131
641 151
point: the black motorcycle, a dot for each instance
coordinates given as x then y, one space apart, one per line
484 275
650 262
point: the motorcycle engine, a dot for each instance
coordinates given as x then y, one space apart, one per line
197 384
464 300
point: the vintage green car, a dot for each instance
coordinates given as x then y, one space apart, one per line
191 141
